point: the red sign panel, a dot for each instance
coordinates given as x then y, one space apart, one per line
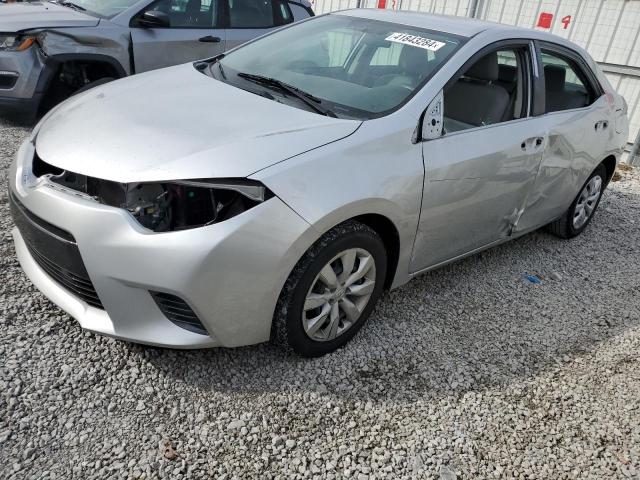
545 20
382 3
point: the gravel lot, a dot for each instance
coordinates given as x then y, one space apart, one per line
467 372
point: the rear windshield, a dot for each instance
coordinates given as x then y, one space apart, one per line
359 68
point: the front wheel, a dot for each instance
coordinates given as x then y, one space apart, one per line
331 291
581 211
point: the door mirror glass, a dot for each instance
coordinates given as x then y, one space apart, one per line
433 118
154 19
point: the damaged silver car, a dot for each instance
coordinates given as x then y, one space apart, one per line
275 191
51 50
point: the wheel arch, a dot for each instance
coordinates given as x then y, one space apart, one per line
610 165
55 63
388 232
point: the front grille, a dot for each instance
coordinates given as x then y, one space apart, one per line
178 312
55 250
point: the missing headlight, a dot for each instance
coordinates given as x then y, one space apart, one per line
165 206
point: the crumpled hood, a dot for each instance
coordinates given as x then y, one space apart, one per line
177 124
16 17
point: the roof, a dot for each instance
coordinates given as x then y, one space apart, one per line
463 26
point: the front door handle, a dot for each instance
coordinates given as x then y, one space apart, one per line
532 143
210 39
601 125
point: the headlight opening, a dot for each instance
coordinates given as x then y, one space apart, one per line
172 206
165 206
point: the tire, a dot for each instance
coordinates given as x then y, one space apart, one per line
565 227
97 83
293 326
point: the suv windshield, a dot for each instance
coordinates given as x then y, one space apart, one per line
99 8
353 67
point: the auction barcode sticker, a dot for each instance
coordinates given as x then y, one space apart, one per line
415 41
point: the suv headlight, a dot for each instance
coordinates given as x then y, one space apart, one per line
16 43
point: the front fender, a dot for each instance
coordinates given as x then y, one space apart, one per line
369 172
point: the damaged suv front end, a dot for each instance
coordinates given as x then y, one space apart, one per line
21 67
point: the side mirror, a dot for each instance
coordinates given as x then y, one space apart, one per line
154 19
432 125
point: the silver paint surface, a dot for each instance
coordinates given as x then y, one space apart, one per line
446 198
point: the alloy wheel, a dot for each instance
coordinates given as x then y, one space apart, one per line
587 202
339 294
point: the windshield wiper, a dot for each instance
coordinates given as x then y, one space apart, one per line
305 97
68 4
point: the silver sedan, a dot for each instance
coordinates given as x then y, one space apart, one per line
275 191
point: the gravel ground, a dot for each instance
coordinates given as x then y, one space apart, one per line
467 372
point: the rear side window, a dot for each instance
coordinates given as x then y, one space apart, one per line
258 13
566 85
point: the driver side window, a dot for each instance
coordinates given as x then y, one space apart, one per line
491 91
189 13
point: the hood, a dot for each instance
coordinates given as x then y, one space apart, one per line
16 17
178 124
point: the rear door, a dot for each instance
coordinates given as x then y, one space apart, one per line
576 114
194 33
479 173
248 19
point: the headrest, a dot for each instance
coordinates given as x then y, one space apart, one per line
485 69
554 77
413 59
507 73
194 6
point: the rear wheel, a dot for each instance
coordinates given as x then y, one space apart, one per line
581 211
331 291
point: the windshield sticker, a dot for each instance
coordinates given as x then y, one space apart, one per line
415 41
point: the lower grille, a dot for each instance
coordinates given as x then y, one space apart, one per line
79 286
178 312
55 251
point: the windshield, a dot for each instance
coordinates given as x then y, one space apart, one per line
357 68
100 8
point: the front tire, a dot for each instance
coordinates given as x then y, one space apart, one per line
583 208
331 291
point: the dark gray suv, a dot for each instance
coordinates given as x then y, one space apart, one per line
51 50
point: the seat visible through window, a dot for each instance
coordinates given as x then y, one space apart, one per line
476 99
251 14
413 65
558 95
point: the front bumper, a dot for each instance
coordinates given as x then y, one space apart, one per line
23 95
230 273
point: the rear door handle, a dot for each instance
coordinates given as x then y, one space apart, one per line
601 125
210 39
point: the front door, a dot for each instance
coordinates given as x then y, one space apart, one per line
193 34
479 173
